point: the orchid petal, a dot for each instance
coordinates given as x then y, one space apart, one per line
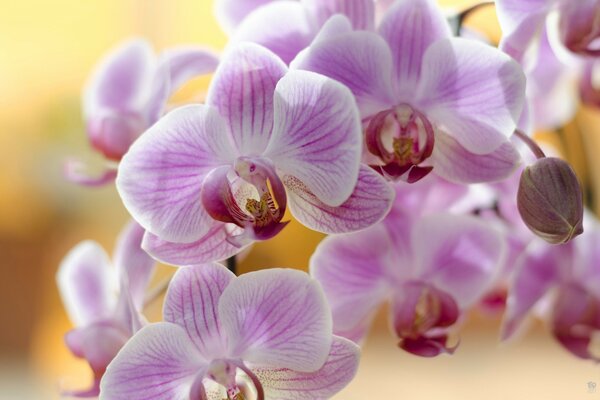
472 91
317 135
521 21
284 27
160 178
455 163
333 376
367 64
368 204
134 265
192 302
75 171
458 254
536 272
188 62
354 277
410 27
121 82
215 245
87 283
159 362
230 13
242 91
279 318
361 13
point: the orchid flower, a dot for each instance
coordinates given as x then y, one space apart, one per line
207 180
287 26
431 270
263 335
128 92
590 84
562 282
104 302
428 101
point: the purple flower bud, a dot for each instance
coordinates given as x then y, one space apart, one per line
550 200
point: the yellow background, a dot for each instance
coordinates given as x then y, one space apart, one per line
47 49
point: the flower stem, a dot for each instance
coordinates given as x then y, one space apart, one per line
231 264
157 291
533 146
462 16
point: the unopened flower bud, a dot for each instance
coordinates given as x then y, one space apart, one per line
550 200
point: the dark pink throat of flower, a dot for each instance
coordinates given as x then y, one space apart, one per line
402 138
248 194
225 374
584 39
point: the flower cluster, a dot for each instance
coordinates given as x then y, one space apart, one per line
369 121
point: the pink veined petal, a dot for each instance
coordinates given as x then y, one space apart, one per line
159 362
353 271
122 80
521 21
536 272
215 245
366 61
134 265
455 163
284 27
87 282
192 302
160 178
457 254
339 369
242 90
410 27
277 318
472 91
75 171
230 13
368 204
317 135
361 13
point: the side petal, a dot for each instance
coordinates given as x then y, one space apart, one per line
159 362
536 272
87 283
192 302
230 13
353 271
455 163
122 80
472 91
188 62
368 204
361 13
339 369
75 171
277 317
366 60
317 136
160 178
457 254
242 90
410 27
134 265
215 245
284 27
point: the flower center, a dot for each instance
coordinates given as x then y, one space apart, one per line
237 386
249 194
402 138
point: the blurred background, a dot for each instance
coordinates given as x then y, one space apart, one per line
47 50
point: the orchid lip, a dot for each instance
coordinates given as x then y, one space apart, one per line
225 373
402 138
248 194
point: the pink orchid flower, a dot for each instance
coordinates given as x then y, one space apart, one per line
104 302
430 270
287 26
263 335
128 92
562 282
207 180
428 101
